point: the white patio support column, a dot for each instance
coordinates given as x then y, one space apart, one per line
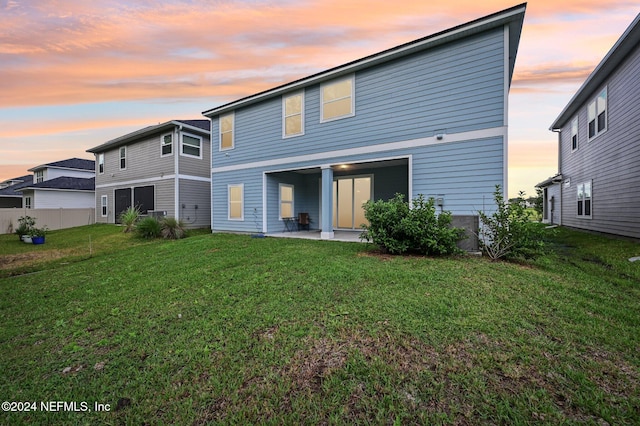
327 203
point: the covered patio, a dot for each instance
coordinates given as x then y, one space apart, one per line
331 196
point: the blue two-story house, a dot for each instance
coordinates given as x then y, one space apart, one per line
426 117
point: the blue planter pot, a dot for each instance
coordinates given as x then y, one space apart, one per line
37 240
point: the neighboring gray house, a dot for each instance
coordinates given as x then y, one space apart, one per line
426 117
161 169
66 184
9 195
597 187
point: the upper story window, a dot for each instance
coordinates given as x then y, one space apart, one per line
337 99
166 144
584 200
191 146
227 123
574 134
39 176
597 114
101 163
123 157
293 115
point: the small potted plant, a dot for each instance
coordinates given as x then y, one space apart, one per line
37 235
25 228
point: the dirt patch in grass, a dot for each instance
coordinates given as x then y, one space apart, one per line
376 254
429 382
612 374
13 261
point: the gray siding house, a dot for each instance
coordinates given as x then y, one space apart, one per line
598 183
162 169
426 117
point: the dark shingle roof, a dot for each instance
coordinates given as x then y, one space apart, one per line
71 163
11 190
65 182
201 124
204 126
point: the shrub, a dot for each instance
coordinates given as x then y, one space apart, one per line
149 228
26 224
397 228
129 217
172 228
509 232
39 232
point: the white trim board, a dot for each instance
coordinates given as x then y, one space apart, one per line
136 181
195 178
413 143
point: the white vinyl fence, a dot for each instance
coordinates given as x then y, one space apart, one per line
51 218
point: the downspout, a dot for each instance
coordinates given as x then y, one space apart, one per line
211 172
505 141
176 179
559 132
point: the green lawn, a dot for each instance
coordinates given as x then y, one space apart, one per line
229 329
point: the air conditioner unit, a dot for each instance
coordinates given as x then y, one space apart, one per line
158 214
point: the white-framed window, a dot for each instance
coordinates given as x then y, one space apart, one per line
166 144
39 176
236 201
103 205
227 124
337 99
293 115
27 202
574 134
101 163
286 200
191 146
123 157
584 200
597 114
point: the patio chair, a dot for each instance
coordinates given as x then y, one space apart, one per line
303 221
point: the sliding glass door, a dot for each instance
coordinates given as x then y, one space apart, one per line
349 194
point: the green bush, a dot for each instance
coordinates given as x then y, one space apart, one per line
397 228
509 233
26 224
129 217
172 228
149 228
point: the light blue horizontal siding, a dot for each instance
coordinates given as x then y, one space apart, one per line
458 87
465 173
252 205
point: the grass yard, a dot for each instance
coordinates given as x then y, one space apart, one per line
232 330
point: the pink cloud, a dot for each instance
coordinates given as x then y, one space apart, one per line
65 52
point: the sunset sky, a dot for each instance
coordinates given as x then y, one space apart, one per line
75 74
